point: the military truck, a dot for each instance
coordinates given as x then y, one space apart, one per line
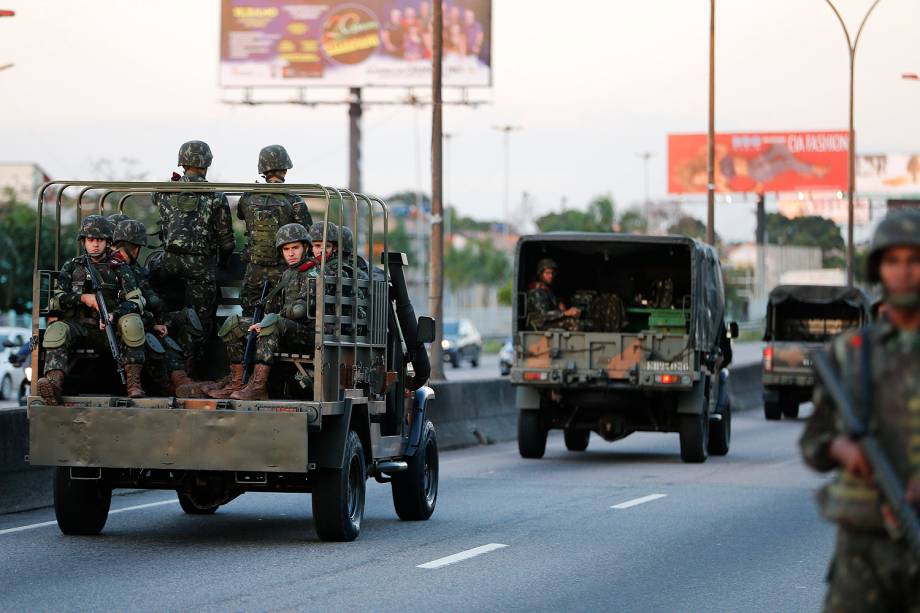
354 408
801 319
660 370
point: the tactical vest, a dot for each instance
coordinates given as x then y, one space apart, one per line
265 214
80 282
186 220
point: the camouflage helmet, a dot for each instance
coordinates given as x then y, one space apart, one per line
291 233
195 153
131 231
332 233
96 226
348 239
117 218
544 264
274 157
898 229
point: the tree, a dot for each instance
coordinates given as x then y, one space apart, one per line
598 218
478 261
811 231
633 222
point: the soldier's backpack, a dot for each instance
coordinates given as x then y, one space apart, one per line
265 213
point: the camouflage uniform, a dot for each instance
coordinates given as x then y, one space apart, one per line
870 570
543 311
78 325
348 249
264 214
197 233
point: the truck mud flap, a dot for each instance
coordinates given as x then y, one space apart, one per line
423 396
526 398
691 402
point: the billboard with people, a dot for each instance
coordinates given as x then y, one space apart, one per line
352 43
759 162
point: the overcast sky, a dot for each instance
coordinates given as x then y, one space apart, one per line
591 83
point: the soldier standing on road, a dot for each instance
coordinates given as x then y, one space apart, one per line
197 235
78 312
873 568
544 310
265 214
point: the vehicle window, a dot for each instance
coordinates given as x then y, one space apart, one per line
451 327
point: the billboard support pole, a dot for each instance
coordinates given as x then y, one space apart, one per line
711 154
436 300
355 111
851 154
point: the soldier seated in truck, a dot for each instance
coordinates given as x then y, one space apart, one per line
544 310
79 323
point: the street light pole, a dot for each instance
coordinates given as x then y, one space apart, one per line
851 178
646 156
711 141
506 130
436 300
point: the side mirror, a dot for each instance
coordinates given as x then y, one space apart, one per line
426 331
733 329
9 343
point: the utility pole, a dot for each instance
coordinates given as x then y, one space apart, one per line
448 160
436 302
646 156
506 130
851 175
355 111
711 163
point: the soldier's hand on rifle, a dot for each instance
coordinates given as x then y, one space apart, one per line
90 301
111 319
572 312
160 330
850 456
255 328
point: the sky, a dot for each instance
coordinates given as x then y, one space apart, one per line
591 84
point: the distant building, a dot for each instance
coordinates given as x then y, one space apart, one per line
23 178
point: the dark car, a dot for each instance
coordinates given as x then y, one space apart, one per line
461 342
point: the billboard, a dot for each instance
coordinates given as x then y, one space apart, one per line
352 43
830 207
759 162
888 174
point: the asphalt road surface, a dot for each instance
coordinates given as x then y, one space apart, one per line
487 369
624 526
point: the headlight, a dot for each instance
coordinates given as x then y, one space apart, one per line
446 344
29 374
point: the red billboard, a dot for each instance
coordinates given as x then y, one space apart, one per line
759 162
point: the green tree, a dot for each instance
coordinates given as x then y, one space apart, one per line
811 231
633 222
477 262
598 218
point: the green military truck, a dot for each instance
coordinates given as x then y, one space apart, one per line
801 319
660 370
352 409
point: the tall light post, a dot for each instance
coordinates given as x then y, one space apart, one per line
646 156
711 141
436 298
851 175
506 130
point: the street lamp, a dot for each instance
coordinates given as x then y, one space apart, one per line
507 130
851 175
646 156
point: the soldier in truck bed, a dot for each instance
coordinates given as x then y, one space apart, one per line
544 310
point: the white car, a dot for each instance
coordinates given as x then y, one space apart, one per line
11 376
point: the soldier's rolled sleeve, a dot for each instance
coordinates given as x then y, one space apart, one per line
65 296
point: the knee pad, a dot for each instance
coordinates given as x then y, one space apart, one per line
131 328
171 344
194 322
56 335
137 297
231 330
154 344
270 323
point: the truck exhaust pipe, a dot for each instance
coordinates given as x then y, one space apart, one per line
408 322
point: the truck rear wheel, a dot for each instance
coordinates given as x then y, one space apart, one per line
185 501
81 506
338 495
790 408
415 490
694 437
576 439
720 433
772 411
531 434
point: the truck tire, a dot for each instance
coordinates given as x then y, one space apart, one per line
576 439
720 433
790 408
81 506
189 507
531 434
6 388
415 490
694 437
338 495
772 411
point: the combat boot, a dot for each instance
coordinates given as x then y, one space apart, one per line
234 384
257 388
133 375
163 383
185 386
50 387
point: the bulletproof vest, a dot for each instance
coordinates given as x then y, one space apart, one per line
80 282
186 220
265 213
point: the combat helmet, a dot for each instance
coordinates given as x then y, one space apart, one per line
274 157
195 153
117 218
291 233
332 233
898 229
131 231
546 263
348 239
96 226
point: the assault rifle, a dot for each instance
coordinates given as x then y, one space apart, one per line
257 315
96 288
883 472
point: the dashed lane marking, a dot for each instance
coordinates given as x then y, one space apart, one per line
112 512
637 501
463 555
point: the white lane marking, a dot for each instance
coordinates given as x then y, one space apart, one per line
463 555
113 511
638 501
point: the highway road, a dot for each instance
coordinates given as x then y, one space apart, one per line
624 526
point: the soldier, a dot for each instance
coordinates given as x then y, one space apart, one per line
873 568
116 218
264 214
165 362
197 235
79 323
348 249
544 310
288 308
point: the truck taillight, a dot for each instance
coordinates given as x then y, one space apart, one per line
768 358
668 379
535 376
